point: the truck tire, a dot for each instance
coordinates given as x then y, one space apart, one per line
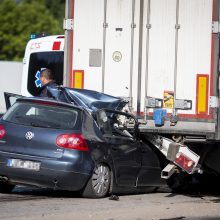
179 182
5 187
98 185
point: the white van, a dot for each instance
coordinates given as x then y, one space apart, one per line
42 52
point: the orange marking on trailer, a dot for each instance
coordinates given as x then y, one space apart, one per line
202 88
78 79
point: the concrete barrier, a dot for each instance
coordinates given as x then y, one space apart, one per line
10 80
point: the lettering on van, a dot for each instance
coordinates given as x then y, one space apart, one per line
35 45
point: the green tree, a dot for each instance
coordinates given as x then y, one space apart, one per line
56 8
18 20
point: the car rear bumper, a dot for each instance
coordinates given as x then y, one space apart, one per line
54 173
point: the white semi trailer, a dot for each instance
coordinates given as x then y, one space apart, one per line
161 55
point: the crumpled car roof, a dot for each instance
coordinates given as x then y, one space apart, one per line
89 99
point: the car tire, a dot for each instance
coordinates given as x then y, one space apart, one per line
180 182
5 187
99 184
151 189
148 189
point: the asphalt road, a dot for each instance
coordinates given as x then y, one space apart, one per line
27 203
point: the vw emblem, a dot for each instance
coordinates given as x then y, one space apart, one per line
29 135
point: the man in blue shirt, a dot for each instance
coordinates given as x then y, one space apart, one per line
47 80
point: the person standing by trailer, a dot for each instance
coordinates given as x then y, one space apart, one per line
47 80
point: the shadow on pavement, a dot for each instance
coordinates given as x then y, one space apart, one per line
45 192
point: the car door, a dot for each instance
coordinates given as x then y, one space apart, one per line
125 149
10 99
150 172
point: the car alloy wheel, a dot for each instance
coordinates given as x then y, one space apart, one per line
99 183
100 179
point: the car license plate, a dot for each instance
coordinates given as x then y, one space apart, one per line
24 164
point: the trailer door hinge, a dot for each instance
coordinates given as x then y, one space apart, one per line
215 27
183 104
68 24
213 102
105 25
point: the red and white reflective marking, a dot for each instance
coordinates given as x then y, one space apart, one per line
56 45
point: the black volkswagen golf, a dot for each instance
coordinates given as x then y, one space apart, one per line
52 144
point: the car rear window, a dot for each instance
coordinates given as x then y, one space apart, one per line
45 116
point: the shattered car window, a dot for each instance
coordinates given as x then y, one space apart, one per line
116 124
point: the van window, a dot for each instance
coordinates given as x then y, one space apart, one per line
52 60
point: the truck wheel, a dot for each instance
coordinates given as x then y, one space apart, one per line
5 187
99 184
179 182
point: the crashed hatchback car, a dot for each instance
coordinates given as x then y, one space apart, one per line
77 140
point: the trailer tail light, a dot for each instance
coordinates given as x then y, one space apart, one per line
2 132
184 162
72 141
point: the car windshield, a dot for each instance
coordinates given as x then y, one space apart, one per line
44 116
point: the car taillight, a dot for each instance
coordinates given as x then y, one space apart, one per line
184 162
2 131
72 141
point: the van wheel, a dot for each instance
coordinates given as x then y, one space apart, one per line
5 187
99 184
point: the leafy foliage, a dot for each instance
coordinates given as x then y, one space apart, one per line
19 19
